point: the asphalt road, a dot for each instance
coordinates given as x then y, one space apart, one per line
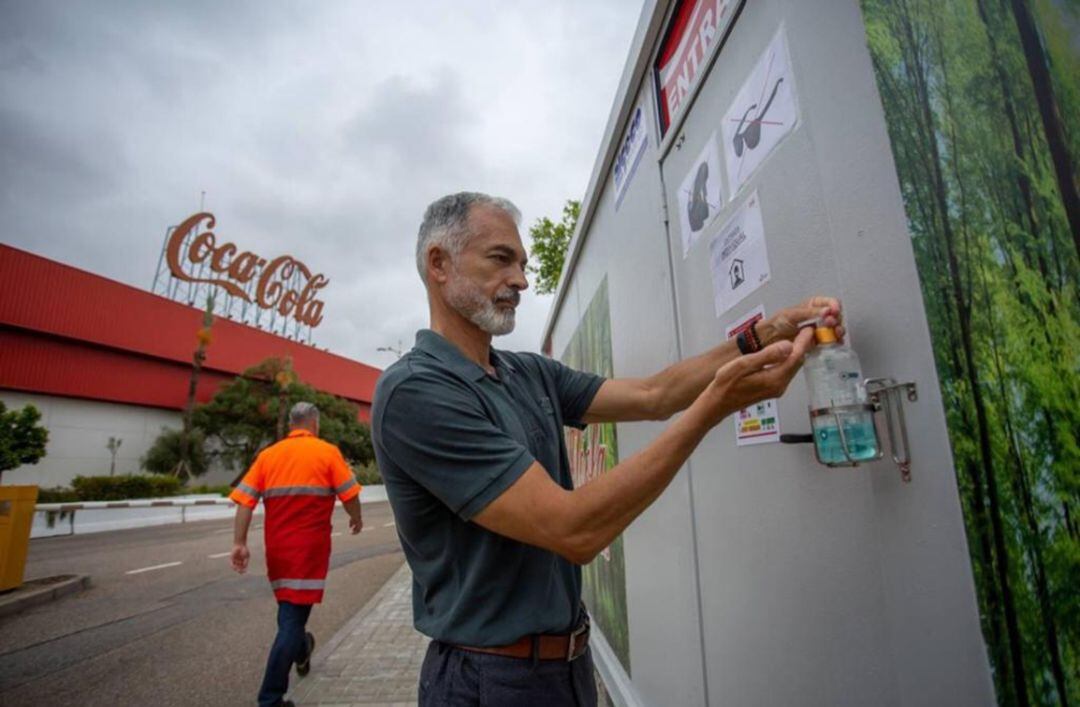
193 633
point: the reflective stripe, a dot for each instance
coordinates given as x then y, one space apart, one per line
299 491
346 486
248 490
298 583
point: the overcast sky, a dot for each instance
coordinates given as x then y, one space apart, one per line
319 129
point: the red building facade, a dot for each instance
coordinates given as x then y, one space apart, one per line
69 333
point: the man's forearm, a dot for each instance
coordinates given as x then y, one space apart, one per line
352 507
679 384
599 511
241 524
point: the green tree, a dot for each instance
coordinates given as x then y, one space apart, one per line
549 243
22 439
203 337
165 453
243 416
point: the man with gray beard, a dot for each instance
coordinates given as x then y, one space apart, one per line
470 444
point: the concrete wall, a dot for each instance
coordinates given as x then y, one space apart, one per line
760 577
78 433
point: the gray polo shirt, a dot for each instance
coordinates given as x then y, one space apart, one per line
449 439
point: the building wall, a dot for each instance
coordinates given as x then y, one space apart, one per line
78 433
59 338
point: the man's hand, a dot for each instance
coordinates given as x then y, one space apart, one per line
784 325
759 376
240 557
356 519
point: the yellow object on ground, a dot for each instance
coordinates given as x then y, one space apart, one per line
16 516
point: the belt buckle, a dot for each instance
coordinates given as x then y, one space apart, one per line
571 643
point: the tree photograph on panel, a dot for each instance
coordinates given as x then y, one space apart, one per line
594 451
982 105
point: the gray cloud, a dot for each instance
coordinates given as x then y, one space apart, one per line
317 129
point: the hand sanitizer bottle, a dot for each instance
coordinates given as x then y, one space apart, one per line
835 380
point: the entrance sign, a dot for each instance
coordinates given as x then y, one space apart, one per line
693 32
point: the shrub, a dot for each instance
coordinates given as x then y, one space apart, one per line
368 474
57 494
119 488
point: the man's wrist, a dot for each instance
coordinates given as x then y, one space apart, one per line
768 333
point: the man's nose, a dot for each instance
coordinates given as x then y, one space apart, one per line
519 281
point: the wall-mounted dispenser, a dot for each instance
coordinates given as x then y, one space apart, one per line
845 408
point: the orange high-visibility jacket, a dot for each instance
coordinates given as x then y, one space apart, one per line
297 480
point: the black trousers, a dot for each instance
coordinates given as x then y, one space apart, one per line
289 647
457 677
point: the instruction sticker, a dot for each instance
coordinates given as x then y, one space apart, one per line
763 113
737 256
759 423
700 196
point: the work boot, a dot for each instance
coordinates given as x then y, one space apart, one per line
304 666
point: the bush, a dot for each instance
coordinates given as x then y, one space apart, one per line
119 488
367 474
57 494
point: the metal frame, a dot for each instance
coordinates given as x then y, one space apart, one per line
884 396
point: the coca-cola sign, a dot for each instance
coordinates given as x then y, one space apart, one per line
283 284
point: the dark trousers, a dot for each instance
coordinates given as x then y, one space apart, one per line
457 677
289 647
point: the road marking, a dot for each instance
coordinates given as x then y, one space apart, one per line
389 525
155 567
334 535
220 554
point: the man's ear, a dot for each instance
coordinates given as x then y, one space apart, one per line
438 263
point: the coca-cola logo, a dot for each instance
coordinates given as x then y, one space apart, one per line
237 271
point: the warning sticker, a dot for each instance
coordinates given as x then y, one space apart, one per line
759 423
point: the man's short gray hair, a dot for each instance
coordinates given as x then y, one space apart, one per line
303 414
446 224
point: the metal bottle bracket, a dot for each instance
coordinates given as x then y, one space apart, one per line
884 395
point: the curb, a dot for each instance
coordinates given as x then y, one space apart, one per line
321 654
17 602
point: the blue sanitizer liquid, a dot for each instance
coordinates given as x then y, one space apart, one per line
858 433
834 380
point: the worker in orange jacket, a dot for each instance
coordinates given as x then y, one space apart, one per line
297 480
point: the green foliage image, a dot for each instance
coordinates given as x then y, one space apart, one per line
982 104
595 451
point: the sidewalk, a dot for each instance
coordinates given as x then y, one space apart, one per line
374 660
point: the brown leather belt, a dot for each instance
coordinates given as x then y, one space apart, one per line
568 647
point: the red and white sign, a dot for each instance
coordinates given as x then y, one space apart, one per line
759 423
695 28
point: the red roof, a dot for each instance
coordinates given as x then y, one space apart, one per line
64 331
